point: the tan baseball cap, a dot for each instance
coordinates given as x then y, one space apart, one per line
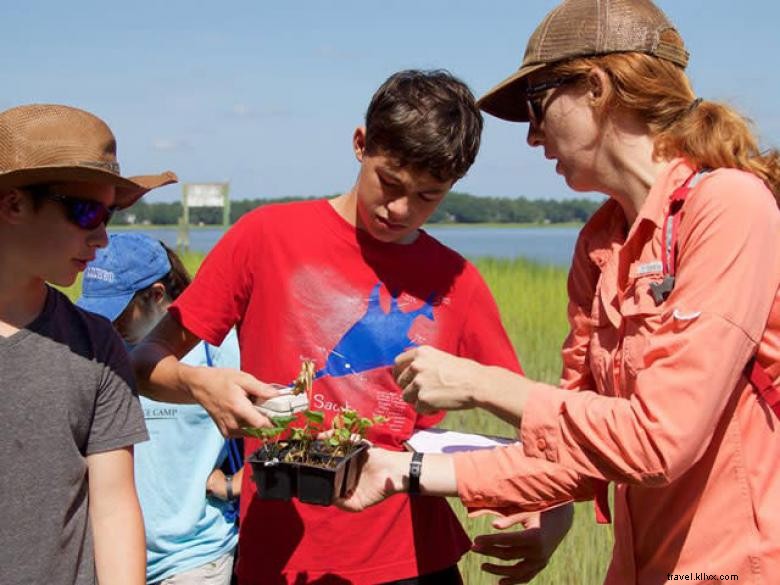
42 143
584 28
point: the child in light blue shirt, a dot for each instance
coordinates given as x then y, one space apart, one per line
189 519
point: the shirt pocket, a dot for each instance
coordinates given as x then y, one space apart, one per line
641 317
603 342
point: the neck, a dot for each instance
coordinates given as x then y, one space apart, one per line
632 169
22 296
346 206
20 303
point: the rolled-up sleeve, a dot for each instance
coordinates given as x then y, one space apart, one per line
506 480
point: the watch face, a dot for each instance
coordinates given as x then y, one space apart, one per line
415 468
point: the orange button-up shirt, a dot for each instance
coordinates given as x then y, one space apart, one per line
661 405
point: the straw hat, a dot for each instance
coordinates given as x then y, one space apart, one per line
42 143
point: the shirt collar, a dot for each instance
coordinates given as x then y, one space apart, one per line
657 202
606 227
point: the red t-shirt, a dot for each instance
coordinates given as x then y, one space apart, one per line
302 283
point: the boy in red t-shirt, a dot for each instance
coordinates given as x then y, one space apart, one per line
349 282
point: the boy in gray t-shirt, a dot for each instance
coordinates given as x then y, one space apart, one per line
69 410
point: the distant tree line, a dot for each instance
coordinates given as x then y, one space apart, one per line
456 208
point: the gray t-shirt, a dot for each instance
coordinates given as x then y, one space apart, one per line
66 391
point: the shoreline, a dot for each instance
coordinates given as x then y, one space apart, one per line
427 226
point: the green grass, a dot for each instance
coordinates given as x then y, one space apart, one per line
532 301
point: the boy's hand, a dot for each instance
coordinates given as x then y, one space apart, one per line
227 396
532 547
433 380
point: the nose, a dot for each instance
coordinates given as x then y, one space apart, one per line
534 137
98 238
398 207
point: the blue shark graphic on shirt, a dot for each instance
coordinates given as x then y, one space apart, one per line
375 340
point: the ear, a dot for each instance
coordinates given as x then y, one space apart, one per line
14 205
359 142
598 85
157 294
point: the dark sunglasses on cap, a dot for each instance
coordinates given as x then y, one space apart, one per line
85 213
535 94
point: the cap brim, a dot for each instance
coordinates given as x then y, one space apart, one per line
108 307
506 100
128 190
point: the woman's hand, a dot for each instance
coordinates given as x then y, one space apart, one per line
433 380
532 548
380 476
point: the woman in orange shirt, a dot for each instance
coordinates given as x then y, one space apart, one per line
670 366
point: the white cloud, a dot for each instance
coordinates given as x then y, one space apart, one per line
168 144
242 110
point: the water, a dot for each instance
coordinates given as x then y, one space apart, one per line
547 245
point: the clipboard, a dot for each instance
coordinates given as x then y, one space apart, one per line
446 441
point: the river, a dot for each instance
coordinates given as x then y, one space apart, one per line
546 245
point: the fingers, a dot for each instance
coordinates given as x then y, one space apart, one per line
247 415
405 376
403 361
410 392
236 414
521 546
527 519
505 553
517 538
255 387
521 572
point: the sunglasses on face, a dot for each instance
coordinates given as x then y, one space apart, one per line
84 213
535 94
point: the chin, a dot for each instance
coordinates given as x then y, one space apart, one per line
389 236
578 185
62 279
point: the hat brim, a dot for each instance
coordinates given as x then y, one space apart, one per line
128 190
108 307
507 100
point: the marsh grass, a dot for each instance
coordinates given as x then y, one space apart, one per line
532 302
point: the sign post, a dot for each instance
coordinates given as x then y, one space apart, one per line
202 195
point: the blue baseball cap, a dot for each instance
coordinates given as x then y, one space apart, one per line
131 262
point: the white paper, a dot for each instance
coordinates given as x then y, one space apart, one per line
444 441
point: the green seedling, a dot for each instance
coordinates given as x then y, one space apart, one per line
347 430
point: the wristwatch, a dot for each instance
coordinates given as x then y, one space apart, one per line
415 468
229 488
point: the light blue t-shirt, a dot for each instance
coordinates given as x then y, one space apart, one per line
184 528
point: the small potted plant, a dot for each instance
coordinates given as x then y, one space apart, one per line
309 461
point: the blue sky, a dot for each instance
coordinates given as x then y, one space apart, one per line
267 94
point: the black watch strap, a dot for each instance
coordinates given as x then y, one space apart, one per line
415 468
229 488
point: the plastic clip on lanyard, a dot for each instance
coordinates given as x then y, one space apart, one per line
661 290
235 461
757 376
